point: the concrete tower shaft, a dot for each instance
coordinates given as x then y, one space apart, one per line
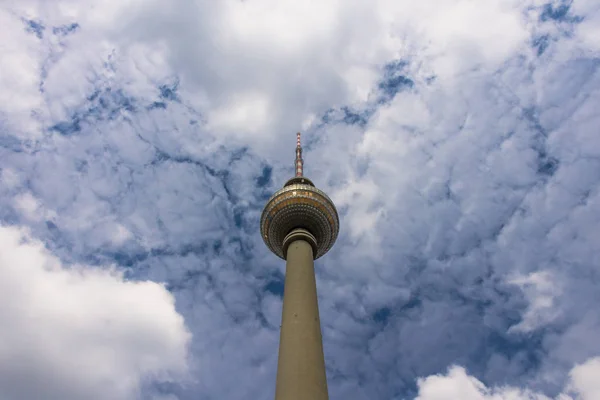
301 364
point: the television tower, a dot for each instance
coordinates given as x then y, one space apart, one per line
300 224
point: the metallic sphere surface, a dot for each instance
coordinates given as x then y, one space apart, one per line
299 205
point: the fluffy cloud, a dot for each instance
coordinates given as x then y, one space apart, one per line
584 379
457 384
73 332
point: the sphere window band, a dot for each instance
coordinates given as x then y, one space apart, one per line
313 202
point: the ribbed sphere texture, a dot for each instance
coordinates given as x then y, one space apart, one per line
299 206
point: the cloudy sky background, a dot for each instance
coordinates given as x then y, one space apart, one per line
459 140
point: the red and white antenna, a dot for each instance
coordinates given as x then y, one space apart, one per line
299 163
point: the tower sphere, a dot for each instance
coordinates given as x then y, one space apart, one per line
299 205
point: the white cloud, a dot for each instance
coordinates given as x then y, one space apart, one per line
73 332
28 205
244 113
20 65
541 289
584 379
457 384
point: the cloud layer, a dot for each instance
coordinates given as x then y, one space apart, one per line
458 140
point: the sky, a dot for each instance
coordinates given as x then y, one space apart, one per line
459 140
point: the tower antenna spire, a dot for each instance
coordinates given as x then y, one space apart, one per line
299 162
